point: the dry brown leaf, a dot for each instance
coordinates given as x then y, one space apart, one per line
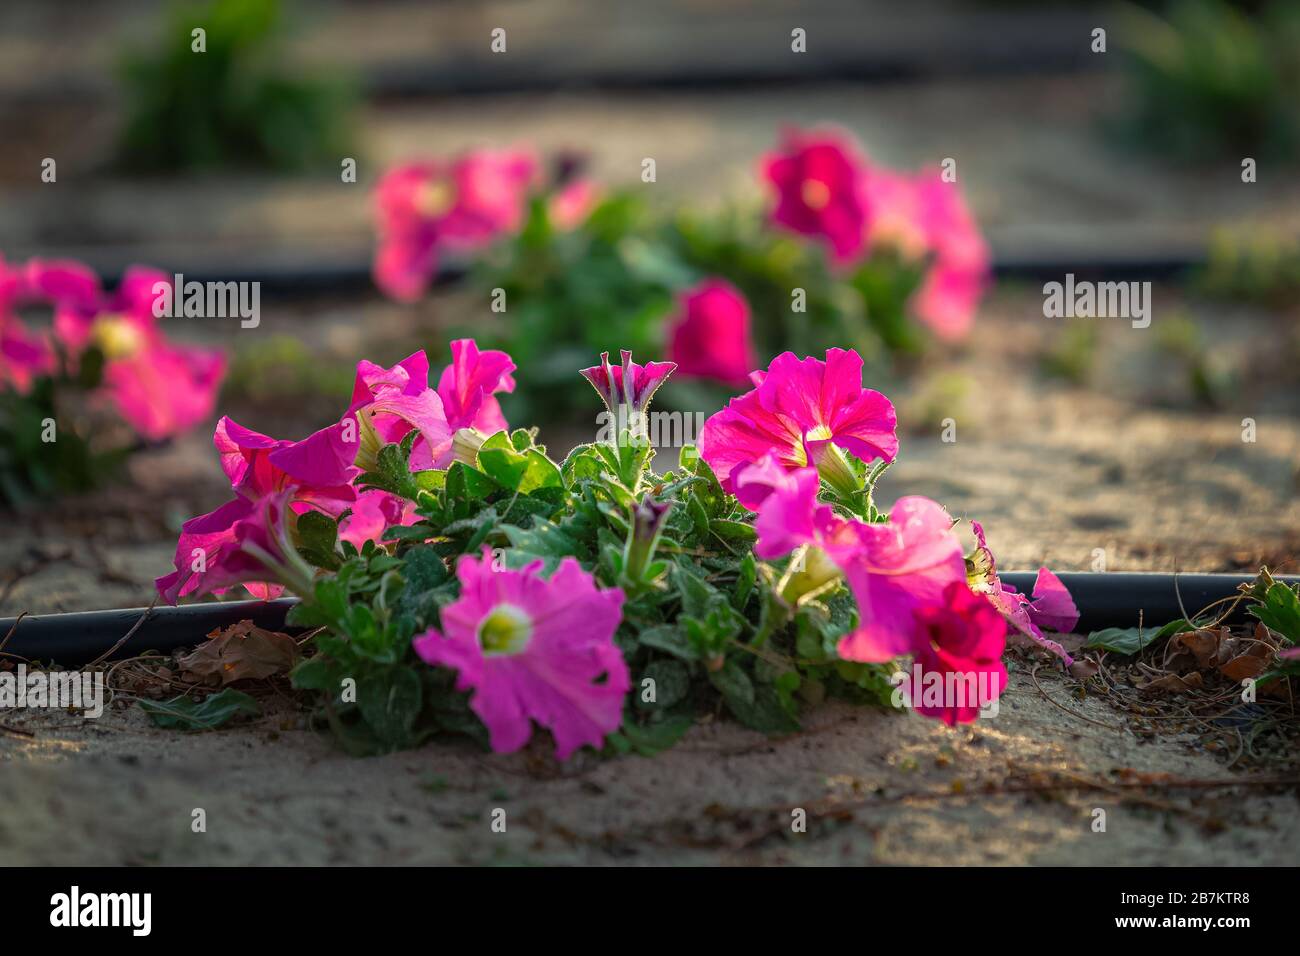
241 651
1175 684
1195 649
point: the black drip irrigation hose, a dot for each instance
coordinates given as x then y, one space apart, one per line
351 276
1104 600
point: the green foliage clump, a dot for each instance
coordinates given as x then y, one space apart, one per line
232 103
716 629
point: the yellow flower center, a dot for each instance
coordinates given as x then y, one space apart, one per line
816 194
506 630
117 336
435 198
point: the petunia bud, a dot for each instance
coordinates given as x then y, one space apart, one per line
465 445
627 384
648 519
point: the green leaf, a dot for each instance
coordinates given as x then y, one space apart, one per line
734 684
315 673
1130 640
646 740
672 682
523 472
767 712
318 536
184 713
1280 611
545 540
390 701
670 639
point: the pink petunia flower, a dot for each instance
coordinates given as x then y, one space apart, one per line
799 407
894 569
573 203
159 387
465 203
710 338
817 178
391 402
315 473
925 218
958 652
788 512
1052 607
373 513
468 386
630 384
534 648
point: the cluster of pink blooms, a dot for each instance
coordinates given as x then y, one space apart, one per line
540 649
530 647
426 208
160 388
826 188
771 446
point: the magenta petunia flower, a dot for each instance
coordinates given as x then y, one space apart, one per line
468 386
464 203
818 182
313 474
798 408
630 384
924 218
895 568
24 355
959 648
1051 607
533 648
710 338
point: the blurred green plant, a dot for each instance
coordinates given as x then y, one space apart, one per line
1073 354
611 281
46 450
1208 378
1255 265
283 368
1211 79
232 103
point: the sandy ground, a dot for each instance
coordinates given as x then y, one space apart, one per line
908 790
1056 472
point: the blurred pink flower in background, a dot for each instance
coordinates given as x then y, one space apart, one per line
24 355
159 387
572 203
925 218
817 177
534 649
799 407
464 203
710 336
